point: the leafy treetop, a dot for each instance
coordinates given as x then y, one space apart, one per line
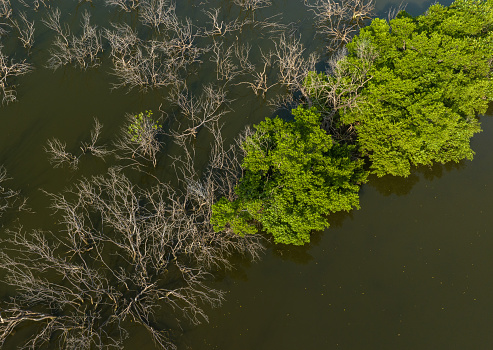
431 76
294 176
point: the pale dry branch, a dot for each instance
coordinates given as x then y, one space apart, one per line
259 85
26 31
7 196
125 5
98 151
83 50
8 70
198 112
58 156
156 13
221 28
394 11
339 89
338 21
5 9
293 66
154 63
226 70
252 5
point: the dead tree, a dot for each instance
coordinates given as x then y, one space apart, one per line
337 22
226 70
82 51
123 252
293 68
125 5
58 156
156 13
7 196
8 70
252 5
221 28
260 84
197 113
154 63
5 9
26 31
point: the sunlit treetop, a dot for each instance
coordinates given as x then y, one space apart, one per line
430 80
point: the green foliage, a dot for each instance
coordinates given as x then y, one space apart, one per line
295 175
141 123
431 77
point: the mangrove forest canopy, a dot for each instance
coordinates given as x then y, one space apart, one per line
402 93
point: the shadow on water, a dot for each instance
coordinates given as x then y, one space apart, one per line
302 255
400 186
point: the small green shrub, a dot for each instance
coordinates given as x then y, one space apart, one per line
142 123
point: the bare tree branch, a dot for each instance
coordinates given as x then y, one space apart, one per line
338 21
81 50
26 32
125 5
7 71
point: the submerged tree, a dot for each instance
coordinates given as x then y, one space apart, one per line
9 69
123 254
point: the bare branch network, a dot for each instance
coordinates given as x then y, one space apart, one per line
123 253
338 21
8 70
126 253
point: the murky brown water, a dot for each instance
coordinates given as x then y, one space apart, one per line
410 270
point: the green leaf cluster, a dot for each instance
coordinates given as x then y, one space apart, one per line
139 125
431 78
295 175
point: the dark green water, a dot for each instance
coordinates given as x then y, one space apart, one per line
410 270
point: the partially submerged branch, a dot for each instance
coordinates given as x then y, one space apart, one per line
337 22
9 69
83 50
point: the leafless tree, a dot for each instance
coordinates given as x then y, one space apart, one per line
81 50
226 70
122 38
5 8
123 253
125 5
197 113
394 11
100 151
252 5
7 196
293 66
153 63
10 199
260 84
338 21
221 28
37 4
145 67
58 156
26 31
8 70
156 13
